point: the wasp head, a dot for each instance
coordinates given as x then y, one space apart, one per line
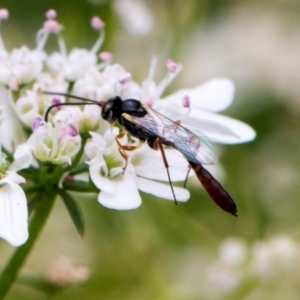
112 109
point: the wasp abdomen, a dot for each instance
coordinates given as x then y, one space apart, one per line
214 189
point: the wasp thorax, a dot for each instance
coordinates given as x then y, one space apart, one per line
134 108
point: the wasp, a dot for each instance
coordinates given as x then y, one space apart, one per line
148 125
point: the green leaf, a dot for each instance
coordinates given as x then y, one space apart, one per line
74 211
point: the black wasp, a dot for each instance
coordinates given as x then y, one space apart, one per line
148 125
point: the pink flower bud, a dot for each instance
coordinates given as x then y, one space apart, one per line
70 131
13 83
186 102
52 26
51 14
106 56
36 123
4 14
171 65
125 78
148 100
97 23
56 101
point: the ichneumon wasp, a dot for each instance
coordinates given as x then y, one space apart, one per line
150 126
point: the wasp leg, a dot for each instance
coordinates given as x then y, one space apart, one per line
158 145
187 176
123 148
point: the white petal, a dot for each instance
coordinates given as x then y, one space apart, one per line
214 95
95 147
101 182
149 164
92 113
13 214
23 157
125 196
218 128
162 190
12 177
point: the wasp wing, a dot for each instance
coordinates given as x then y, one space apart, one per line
195 147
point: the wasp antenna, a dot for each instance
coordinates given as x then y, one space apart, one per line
87 101
63 104
70 96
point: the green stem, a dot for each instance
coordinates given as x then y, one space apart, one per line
80 186
37 223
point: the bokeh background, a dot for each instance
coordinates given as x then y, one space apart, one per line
193 250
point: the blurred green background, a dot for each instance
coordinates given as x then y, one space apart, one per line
163 251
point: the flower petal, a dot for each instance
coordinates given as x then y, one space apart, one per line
13 214
162 190
218 128
23 157
214 95
101 182
12 177
126 195
149 164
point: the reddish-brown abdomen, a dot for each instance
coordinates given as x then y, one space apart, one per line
214 189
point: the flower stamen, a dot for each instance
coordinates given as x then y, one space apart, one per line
51 14
98 25
3 16
125 78
174 69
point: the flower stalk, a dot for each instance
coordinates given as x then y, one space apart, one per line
10 272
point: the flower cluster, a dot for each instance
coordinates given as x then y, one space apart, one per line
241 268
239 263
71 142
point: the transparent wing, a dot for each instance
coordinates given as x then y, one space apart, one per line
194 146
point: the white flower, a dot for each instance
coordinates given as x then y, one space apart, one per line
103 85
205 100
13 205
196 107
223 277
10 130
47 82
13 209
85 120
33 104
274 256
27 107
21 66
233 251
56 144
119 188
74 66
227 272
78 62
141 23
285 252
